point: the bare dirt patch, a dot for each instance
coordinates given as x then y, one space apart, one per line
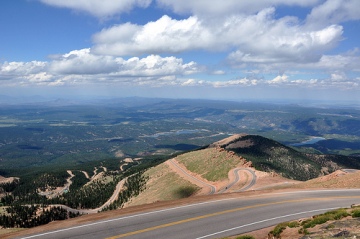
119 154
86 174
128 160
7 180
271 180
338 179
228 140
4 231
97 176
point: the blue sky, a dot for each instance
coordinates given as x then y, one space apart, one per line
240 50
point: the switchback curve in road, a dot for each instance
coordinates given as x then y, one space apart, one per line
237 179
212 187
113 197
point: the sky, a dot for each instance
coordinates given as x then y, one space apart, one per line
214 49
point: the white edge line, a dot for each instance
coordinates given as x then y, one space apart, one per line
164 210
266 220
316 190
127 217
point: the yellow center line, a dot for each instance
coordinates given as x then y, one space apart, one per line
224 212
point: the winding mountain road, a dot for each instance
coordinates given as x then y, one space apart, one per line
213 190
237 180
252 182
220 217
113 197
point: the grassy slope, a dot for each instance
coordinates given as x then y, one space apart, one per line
163 184
210 163
213 164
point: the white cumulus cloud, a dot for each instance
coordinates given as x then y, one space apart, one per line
99 8
233 83
253 38
154 65
257 38
165 35
206 8
279 79
334 12
81 66
22 68
282 43
82 62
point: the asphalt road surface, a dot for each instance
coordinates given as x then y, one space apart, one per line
252 182
237 179
213 219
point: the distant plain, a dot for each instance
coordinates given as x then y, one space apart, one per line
73 133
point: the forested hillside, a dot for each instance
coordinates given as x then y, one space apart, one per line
269 155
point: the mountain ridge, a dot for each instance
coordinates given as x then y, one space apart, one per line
272 163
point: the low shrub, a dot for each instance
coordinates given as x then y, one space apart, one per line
317 220
245 237
279 229
355 213
303 231
293 224
322 218
305 221
337 214
331 226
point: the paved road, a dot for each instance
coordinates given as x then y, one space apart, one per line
237 179
252 182
349 170
213 219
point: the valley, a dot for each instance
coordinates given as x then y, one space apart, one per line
92 158
53 133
